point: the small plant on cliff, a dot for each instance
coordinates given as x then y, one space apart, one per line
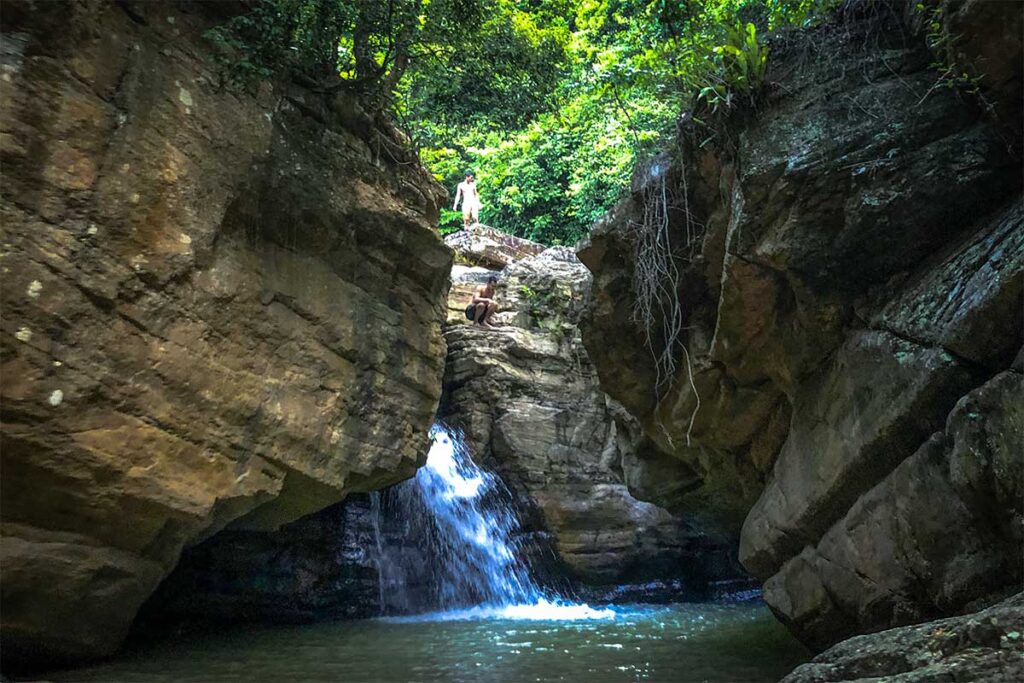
742 61
943 46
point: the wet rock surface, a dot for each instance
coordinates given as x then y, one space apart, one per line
321 566
851 265
219 310
326 566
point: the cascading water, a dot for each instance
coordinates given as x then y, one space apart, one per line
475 525
462 518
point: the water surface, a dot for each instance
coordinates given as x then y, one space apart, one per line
727 643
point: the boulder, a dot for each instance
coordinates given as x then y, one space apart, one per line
984 646
482 245
938 534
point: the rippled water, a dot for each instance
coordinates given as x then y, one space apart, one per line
727 643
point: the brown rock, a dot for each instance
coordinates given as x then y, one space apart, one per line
217 311
938 534
850 264
484 246
854 423
526 396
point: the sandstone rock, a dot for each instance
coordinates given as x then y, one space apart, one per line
218 310
527 399
850 267
851 425
985 41
938 534
986 646
972 294
481 245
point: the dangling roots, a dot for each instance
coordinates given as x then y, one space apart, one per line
656 281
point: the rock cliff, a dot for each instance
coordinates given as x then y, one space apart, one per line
849 257
219 310
527 398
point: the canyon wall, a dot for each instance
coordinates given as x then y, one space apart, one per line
219 310
850 257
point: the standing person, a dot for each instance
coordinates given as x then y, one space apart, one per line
483 307
470 200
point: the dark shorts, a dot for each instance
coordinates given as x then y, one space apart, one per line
471 311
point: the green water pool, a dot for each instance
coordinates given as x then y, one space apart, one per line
723 643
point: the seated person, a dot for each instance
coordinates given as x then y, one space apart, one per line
483 308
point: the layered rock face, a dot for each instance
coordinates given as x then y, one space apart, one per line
528 401
218 310
850 260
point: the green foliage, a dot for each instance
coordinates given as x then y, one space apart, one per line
365 46
943 46
280 35
625 71
550 103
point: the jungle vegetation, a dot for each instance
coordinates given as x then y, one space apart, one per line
549 102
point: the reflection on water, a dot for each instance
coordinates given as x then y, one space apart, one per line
727 643
494 623
542 610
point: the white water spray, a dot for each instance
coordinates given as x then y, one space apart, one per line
478 572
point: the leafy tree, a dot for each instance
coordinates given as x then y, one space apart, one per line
549 102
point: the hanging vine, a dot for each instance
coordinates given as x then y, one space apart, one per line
657 279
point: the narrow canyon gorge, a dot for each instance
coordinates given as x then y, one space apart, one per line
787 365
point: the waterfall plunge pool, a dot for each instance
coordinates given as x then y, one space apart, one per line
480 617
721 643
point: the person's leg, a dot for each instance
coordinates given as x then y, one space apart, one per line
474 213
481 314
491 310
466 215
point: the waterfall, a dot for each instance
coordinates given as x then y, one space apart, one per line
475 523
460 520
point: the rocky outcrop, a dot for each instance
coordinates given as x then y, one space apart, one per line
942 530
850 265
987 646
219 310
527 398
485 247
